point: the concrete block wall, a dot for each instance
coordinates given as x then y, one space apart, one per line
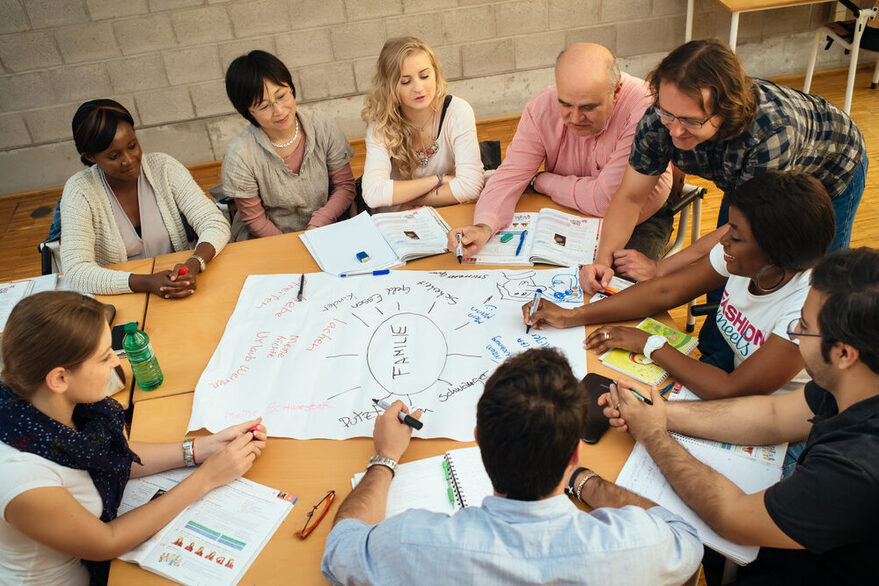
165 59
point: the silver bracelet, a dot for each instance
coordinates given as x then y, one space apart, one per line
583 482
202 265
188 452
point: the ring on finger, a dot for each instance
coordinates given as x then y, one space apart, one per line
617 406
606 335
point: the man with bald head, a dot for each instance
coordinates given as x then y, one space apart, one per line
581 129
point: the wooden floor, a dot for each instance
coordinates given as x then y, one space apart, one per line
20 233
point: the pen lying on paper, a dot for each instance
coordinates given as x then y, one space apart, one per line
403 417
301 288
521 242
374 273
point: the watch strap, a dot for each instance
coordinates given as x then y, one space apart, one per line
653 343
389 463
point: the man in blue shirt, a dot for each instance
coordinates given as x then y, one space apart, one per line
818 525
528 425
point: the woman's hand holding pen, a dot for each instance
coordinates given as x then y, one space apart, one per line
549 314
230 453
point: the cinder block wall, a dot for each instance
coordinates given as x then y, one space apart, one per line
165 59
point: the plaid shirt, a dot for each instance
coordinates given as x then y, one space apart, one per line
792 131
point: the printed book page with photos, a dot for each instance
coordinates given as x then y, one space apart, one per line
215 539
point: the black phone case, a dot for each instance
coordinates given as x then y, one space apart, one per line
595 385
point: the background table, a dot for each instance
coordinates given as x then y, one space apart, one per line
736 7
185 333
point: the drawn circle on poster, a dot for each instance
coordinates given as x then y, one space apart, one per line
406 353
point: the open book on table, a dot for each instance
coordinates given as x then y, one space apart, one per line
442 484
215 539
751 468
549 237
367 243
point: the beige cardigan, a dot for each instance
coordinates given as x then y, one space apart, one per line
90 236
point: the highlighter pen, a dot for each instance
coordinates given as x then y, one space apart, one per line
403 417
458 251
521 242
373 273
666 389
534 303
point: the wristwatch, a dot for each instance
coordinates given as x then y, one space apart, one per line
383 461
653 343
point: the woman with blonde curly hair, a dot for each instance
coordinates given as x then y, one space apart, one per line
421 146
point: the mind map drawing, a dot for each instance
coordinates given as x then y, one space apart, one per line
431 339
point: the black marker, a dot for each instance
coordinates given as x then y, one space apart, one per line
403 417
458 251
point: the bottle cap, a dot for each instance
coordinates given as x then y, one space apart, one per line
131 327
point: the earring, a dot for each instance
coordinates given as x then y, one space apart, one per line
773 287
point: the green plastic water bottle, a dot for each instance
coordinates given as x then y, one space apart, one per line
140 355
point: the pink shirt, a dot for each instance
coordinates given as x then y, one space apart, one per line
581 172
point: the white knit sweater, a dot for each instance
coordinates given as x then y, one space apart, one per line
90 236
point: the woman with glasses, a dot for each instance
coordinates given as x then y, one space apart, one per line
129 205
421 145
712 120
780 225
65 457
288 170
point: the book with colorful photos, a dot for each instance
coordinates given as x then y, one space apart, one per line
549 237
215 539
633 363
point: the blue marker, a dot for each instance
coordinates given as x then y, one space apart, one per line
521 242
373 273
534 303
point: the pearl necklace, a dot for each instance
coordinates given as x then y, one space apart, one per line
291 141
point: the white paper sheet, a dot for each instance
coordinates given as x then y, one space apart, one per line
432 339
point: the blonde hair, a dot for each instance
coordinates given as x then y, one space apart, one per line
383 104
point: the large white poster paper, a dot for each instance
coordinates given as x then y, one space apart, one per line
432 339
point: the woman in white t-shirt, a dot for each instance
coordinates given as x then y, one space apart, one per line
763 261
64 455
421 145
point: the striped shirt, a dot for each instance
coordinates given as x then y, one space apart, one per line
792 131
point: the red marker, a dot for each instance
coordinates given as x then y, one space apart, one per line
182 271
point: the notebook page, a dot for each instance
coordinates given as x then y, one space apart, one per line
417 485
470 476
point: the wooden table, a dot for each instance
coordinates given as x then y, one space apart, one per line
185 334
736 7
129 307
307 469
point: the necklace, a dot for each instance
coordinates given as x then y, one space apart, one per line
291 141
425 155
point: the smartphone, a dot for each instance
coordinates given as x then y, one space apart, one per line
595 385
116 336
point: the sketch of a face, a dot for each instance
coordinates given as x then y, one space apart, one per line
518 286
566 288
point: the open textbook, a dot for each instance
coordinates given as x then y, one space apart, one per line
442 484
751 468
13 292
367 243
215 539
549 237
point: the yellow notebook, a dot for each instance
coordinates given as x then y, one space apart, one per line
632 363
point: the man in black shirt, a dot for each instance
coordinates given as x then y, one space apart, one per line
821 524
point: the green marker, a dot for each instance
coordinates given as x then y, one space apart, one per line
506 237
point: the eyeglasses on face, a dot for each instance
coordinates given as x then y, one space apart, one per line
265 106
316 514
668 118
795 330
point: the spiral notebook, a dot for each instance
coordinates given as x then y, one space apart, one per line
442 484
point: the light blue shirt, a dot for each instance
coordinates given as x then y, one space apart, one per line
506 541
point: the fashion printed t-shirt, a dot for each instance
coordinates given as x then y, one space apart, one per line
746 320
